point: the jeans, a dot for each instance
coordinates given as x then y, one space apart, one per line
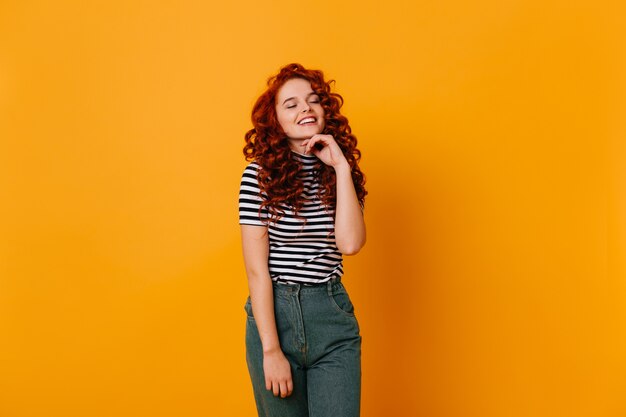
320 336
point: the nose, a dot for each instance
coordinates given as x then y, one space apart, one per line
306 108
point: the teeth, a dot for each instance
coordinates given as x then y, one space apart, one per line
308 119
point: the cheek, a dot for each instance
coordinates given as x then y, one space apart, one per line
321 113
283 119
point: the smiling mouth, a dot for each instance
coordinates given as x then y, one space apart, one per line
307 121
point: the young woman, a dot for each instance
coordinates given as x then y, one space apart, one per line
301 205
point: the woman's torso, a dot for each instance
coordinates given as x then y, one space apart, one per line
298 252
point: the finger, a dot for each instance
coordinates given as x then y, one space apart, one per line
316 138
275 388
283 389
324 139
268 384
289 386
320 137
310 143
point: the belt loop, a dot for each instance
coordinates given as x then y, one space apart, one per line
329 286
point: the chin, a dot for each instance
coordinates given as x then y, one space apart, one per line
306 135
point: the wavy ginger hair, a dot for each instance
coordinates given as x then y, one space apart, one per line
267 144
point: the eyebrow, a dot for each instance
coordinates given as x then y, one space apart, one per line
291 98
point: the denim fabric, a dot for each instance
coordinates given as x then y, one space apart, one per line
320 336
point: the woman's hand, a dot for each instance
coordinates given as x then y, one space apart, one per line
331 154
277 373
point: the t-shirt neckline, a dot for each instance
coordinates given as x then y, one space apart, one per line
309 156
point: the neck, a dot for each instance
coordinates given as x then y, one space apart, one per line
309 159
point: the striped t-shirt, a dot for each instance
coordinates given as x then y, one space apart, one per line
298 253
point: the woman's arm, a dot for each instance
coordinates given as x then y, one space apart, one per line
255 244
349 222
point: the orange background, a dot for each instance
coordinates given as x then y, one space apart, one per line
493 280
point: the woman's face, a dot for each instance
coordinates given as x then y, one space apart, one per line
298 109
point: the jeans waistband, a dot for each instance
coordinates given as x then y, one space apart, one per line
289 287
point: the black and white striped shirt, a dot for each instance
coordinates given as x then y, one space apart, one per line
298 253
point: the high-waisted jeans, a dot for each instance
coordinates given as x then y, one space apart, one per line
320 336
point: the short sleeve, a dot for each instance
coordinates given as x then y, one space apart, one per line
250 197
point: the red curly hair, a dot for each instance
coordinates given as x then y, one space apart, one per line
267 144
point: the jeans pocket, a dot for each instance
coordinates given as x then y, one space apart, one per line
341 301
